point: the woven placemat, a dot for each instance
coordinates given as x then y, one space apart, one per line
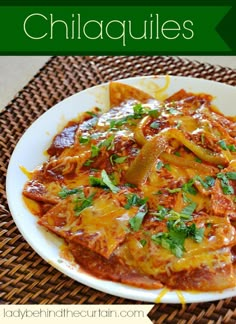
24 277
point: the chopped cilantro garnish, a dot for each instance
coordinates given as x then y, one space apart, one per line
83 202
107 143
94 151
188 187
88 162
222 144
153 113
104 181
134 200
231 147
96 182
207 182
114 158
173 111
159 165
91 113
173 241
84 140
119 122
65 192
137 220
143 242
177 153
195 233
225 185
226 147
189 209
170 214
198 160
174 238
210 181
231 175
161 213
167 166
108 182
186 199
155 125
139 111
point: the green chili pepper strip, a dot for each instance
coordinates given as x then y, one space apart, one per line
147 157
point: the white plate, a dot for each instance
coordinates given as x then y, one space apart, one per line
29 153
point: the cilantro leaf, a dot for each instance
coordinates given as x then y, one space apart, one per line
134 200
137 220
173 111
177 153
119 122
159 165
174 239
91 113
198 160
94 151
188 187
225 185
107 143
96 182
207 182
189 209
65 192
167 166
224 146
114 158
139 111
170 242
231 175
84 139
210 181
162 212
107 181
195 233
82 202
104 181
88 162
154 113
155 125
143 242
231 147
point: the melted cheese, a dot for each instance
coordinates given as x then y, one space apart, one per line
32 205
26 172
163 292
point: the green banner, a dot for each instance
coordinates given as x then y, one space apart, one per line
117 30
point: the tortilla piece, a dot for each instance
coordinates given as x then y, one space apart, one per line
42 192
111 269
100 227
120 92
63 140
